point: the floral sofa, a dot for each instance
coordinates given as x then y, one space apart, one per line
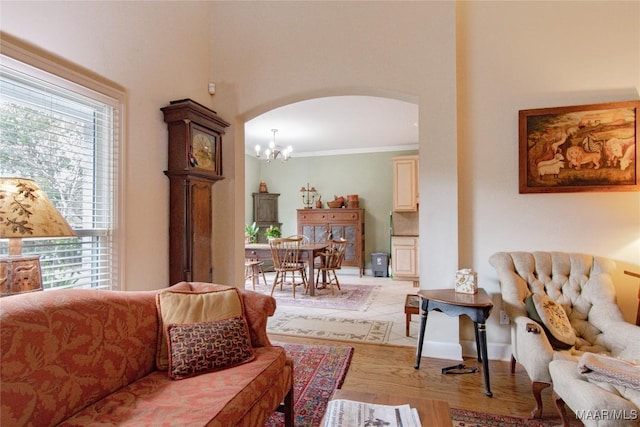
85 357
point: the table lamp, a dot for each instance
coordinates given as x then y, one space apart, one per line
25 212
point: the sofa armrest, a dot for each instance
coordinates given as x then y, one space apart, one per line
623 340
531 348
258 307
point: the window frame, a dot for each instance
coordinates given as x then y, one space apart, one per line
47 67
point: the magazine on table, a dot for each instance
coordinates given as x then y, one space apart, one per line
350 413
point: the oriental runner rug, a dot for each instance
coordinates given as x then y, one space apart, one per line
329 327
349 297
318 370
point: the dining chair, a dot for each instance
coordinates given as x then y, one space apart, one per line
253 269
331 260
286 259
304 240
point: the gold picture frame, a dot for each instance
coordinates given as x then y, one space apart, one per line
579 148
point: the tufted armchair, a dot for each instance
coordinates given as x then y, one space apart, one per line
582 285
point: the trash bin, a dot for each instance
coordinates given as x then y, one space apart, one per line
380 264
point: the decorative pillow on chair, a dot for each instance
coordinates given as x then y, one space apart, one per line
553 319
196 348
180 307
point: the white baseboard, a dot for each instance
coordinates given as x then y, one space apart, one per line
494 351
442 350
453 351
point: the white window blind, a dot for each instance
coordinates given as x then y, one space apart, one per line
64 137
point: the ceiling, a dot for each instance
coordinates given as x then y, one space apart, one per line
337 125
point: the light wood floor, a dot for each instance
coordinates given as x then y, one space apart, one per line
390 369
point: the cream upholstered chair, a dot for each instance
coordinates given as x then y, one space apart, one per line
581 284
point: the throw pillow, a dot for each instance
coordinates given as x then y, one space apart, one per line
196 348
553 319
193 307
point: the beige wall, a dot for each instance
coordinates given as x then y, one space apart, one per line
269 54
158 54
470 66
521 55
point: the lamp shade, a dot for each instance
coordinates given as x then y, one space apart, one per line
26 211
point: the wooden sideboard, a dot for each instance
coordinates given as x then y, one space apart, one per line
319 225
265 212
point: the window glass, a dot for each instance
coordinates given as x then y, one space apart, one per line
64 137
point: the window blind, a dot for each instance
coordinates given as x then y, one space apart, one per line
64 137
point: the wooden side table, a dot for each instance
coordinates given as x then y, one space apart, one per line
477 306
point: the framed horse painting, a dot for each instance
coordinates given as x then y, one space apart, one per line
579 148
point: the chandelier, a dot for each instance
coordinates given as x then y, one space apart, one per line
274 151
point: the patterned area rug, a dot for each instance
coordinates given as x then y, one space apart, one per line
317 371
349 297
334 328
464 418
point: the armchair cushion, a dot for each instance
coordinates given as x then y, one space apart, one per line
553 319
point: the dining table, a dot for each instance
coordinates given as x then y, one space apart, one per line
308 252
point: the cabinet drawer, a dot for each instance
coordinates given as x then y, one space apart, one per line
404 241
343 216
313 217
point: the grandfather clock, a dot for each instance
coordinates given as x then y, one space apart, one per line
195 164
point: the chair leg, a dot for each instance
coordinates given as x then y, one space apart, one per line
561 409
536 389
275 282
305 282
263 276
293 283
513 364
317 282
330 280
254 276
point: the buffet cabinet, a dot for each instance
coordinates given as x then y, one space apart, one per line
322 225
265 213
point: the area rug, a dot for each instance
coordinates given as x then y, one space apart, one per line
465 418
330 327
317 371
349 297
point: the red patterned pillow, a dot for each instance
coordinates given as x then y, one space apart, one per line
196 348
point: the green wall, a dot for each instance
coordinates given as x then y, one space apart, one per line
368 175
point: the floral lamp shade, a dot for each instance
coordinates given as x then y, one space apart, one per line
25 212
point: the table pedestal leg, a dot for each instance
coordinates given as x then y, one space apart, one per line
475 329
423 325
481 330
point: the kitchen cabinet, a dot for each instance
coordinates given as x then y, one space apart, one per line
405 257
319 224
405 183
265 212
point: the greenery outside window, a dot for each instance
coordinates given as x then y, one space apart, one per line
66 137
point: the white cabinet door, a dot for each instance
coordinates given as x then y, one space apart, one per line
405 257
405 183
